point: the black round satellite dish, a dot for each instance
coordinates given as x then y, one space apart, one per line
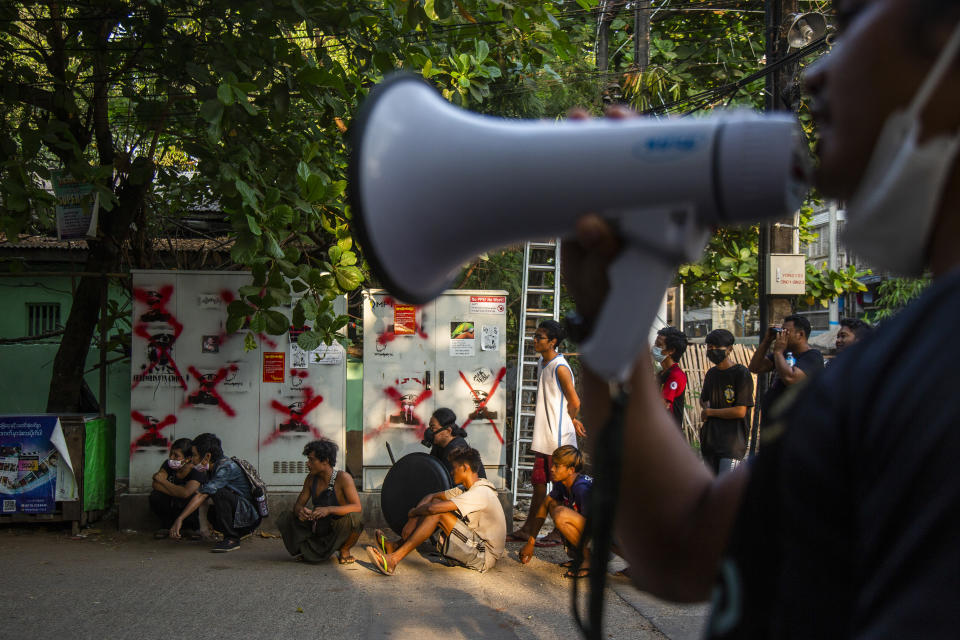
409 479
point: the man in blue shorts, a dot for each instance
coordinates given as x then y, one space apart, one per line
567 503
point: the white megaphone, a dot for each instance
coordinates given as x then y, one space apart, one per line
433 186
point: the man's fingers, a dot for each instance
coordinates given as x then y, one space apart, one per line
597 236
619 112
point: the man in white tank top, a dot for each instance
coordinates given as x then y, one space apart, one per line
555 422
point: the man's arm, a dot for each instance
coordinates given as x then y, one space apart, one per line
346 492
175 490
573 400
759 362
192 506
789 375
538 518
432 508
727 413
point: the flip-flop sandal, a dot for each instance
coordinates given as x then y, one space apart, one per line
345 559
381 539
567 564
379 561
516 537
547 542
581 573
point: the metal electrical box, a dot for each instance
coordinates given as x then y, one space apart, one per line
448 353
188 376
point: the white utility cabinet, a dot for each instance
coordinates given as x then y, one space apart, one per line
448 353
189 377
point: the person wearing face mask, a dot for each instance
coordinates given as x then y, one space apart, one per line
726 398
669 347
173 485
227 494
443 435
846 522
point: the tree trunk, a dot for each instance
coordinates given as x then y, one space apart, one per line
103 257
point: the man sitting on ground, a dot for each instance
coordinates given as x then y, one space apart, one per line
567 503
232 511
467 525
334 521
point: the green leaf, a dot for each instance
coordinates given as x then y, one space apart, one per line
272 247
483 50
349 278
235 323
298 317
253 226
247 193
211 111
225 94
258 322
335 253
277 323
309 306
308 340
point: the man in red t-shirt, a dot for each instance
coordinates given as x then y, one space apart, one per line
667 350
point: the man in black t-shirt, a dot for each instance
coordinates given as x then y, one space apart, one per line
846 523
790 338
726 397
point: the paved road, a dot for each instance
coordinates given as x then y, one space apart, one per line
128 585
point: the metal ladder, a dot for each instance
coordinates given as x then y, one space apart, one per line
540 299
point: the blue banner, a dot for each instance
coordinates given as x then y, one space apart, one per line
28 464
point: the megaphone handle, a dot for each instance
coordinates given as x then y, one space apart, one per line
638 281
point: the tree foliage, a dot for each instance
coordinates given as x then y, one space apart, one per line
241 103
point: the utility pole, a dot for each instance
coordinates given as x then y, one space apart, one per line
777 237
641 34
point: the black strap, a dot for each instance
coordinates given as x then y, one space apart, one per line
599 526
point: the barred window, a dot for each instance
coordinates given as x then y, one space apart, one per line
42 317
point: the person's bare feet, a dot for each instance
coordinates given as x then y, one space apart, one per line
344 557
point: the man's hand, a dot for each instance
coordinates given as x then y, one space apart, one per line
159 476
581 431
303 514
780 344
526 552
320 512
417 511
175 529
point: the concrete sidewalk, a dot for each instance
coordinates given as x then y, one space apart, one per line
128 585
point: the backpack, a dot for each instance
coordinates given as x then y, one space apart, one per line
258 488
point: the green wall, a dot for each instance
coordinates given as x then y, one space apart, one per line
27 367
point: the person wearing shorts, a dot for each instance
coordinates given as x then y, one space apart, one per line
555 422
467 525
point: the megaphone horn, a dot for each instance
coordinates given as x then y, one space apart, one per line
432 186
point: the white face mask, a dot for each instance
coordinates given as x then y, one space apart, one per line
658 354
891 214
174 464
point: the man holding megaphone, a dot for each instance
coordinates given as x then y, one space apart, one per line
846 524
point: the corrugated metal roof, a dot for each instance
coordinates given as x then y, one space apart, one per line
221 244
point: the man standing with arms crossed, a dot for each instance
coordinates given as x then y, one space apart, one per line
555 423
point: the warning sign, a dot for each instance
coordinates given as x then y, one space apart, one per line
488 304
274 366
404 320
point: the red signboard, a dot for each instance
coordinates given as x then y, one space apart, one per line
274 366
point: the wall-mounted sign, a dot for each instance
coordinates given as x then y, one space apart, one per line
786 274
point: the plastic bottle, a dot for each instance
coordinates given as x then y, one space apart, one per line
791 361
261 501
